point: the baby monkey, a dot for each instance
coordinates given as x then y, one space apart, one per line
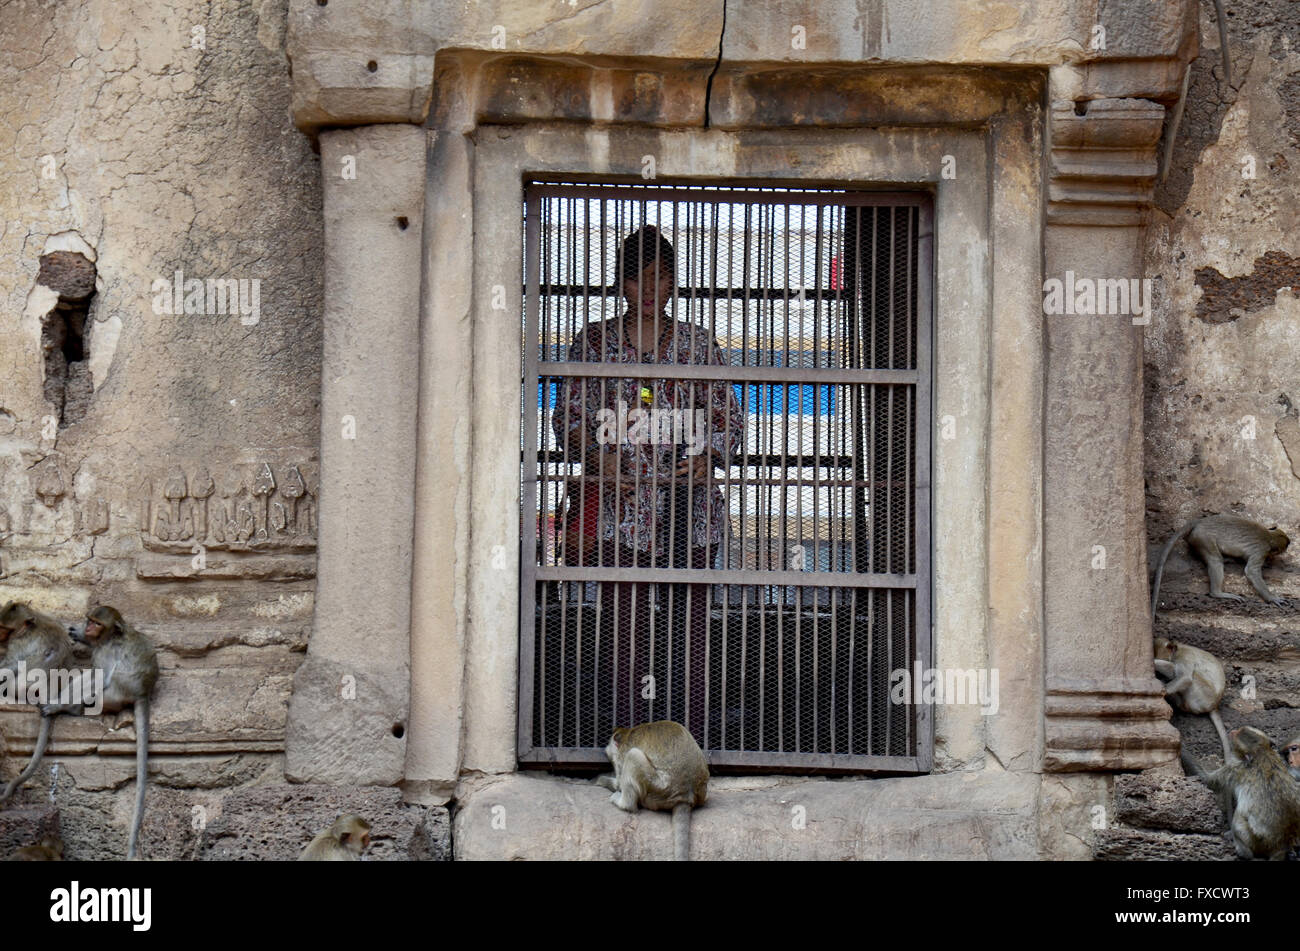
344 841
1195 681
1215 536
1258 795
659 766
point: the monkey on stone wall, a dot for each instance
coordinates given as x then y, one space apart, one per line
659 766
1257 794
346 840
49 849
1195 681
130 670
1215 536
32 641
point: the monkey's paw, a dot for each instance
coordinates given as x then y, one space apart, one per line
617 799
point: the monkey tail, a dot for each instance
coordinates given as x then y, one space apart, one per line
1160 563
42 741
1191 767
141 771
1223 41
682 832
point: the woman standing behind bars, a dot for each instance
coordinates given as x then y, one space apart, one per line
648 500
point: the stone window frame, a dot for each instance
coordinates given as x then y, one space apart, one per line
1058 182
506 156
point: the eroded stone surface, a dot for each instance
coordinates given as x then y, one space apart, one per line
955 816
277 823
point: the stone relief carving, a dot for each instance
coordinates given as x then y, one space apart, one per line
249 507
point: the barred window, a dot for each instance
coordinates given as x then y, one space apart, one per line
725 472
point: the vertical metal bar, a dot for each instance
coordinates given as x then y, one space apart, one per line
924 440
528 575
909 446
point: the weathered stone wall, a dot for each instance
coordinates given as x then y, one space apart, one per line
1222 374
171 463
149 138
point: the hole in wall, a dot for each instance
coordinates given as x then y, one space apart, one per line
1081 107
65 333
372 66
402 222
399 730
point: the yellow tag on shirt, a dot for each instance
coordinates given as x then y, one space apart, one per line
647 395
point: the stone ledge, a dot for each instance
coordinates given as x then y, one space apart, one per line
951 816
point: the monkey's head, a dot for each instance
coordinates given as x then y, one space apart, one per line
1291 753
1278 540
1164 648
55 846
102 622
615 748
1250 743
14 616
353 833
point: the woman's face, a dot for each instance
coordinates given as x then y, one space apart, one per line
648 295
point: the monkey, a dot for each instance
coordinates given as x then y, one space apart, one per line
344 841
40 643
1257 793
32 638
658 766
1213 537
130 670
1195 681
1291 753
50 849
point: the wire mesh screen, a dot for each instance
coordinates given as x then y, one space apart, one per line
725 470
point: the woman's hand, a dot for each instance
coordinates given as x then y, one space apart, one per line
696 468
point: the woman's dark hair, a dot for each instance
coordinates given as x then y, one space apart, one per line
642 248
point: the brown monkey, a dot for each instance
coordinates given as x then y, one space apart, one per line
50 849
1291 754
344 841
130 669
1196 681
1258 795
659 766
33 639
1215 536
40 643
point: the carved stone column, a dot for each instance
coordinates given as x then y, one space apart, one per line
1104 708
349 709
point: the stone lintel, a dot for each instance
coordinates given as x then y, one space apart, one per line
357 63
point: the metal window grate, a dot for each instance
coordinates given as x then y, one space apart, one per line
766 603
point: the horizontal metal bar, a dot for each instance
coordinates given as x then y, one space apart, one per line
707 293
579 755
808 376
777 195
791 460
744 483
802 579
